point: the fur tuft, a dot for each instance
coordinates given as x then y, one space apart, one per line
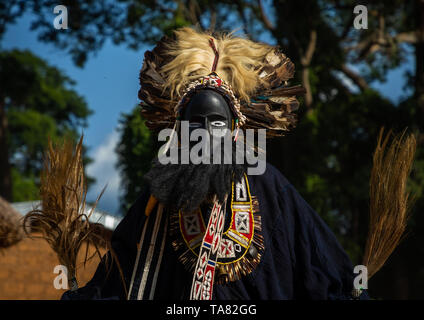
257 73
240 61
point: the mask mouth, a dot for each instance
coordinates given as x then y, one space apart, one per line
203 145
219 133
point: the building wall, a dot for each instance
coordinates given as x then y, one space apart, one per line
26 271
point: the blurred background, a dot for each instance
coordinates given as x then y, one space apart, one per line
84 80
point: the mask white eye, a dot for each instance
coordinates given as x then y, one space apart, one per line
218 123
195 125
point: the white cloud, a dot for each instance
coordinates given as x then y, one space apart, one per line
103 169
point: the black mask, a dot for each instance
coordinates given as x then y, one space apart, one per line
209 110
185 186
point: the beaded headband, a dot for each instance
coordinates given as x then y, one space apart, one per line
212 81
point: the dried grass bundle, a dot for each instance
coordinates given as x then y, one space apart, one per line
11 230
390 203
62 220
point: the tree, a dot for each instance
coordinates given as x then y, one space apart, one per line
329 156
36 102
136 150
9 12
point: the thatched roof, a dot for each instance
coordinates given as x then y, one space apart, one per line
11 230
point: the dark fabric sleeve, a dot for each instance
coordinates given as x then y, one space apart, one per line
322 268
107 282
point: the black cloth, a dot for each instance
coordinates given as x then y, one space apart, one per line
302 257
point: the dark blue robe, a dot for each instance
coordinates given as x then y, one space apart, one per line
302 257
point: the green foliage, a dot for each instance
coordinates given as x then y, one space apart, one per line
28 82
40 104
9 12
136 150
30 130
328 157
25 188
339 142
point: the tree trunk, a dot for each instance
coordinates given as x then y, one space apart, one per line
5 169
419 61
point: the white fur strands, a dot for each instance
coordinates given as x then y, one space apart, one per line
256 74
240 61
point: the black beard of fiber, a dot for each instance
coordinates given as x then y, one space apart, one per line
186 186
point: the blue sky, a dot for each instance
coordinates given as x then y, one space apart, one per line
109 84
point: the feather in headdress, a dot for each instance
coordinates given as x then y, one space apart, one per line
256 72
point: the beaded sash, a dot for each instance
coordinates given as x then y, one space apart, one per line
241 245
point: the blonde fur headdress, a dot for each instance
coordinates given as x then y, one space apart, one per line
254 74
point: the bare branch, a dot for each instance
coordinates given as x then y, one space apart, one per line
406 37
380 39
305 60
339 85
162 8
375 43
307 84
347 28
381 28
198 13
268 24
192 12
356 78
240 9
212 21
